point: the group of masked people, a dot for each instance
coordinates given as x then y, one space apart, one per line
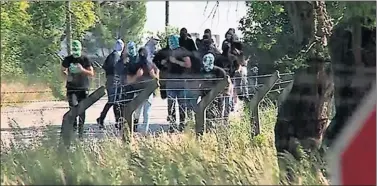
191 69
126 68
186 70
183 62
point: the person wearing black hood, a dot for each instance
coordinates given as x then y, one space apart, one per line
208 35
227 43
207 45
186 41
113 66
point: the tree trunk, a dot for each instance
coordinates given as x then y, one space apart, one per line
304 115
68 29
353 57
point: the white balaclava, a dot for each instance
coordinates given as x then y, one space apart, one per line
119 45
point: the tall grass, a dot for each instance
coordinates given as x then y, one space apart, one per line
226 157
11 99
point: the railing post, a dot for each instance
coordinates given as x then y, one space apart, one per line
203 104
129 108
70 116
257 98
284 94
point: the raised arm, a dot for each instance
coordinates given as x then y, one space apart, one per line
64 68
154 72
185 63
87 67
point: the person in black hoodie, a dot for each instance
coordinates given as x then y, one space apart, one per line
113 81
179 65
186 41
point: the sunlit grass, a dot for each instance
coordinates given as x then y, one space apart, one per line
226 157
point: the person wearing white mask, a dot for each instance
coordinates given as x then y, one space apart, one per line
115 78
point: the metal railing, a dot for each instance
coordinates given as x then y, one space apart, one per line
273 83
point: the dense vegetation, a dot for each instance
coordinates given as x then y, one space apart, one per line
269 32
33 33
324 44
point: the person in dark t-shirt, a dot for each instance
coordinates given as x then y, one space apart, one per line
178 65
77 69
150 71
211 71
162 55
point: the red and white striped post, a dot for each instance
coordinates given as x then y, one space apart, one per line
353 159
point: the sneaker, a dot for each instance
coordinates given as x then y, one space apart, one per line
136 122
100 123
75 127
81 129
170 119
232 108
181 127
172 129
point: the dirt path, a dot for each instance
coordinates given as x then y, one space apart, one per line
51 113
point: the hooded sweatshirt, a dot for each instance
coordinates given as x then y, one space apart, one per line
114 65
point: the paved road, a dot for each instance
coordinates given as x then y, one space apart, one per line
32 119
23 117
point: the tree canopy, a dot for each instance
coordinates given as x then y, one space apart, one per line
32 33
269 34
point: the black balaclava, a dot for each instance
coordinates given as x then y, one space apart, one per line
208 32
229 35
183 33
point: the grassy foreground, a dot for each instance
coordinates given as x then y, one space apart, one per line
178 159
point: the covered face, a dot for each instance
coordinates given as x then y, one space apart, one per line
119 45
208 62
228 35
76 48
151 46
183 33
173 41
143 51
207 31
131 48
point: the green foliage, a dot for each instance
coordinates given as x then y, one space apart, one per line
163 36
269 36
43 41
268 32
47 23
14 21
345 10
84 17
124 19
32 34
